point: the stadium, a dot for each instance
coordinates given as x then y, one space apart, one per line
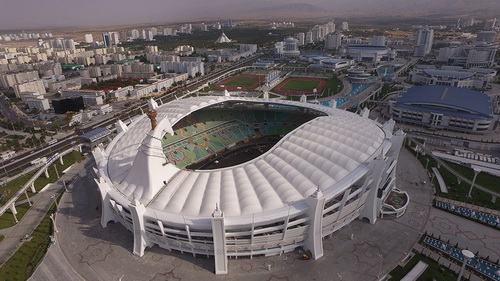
244 177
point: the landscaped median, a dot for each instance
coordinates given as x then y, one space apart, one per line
23 262
458 190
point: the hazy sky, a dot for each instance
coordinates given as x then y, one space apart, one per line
27 14
15 14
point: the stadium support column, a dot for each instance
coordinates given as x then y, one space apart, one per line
14 211
137 211
314 241
372 203
219 236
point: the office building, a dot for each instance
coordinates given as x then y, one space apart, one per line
333 41
88 38
486 36
378 40
423 44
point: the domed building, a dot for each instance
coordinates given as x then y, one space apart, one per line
242 177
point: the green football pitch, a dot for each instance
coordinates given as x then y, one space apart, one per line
301 85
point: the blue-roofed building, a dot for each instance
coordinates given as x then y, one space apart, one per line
442 107
461 78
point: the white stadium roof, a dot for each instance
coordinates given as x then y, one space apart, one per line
323 153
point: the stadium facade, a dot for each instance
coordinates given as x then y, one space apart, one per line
329 168
367 53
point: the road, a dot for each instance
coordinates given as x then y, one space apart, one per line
21 162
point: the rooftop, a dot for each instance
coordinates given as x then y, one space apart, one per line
448 100
461 75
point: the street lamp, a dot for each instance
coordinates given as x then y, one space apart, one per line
4 169
57 172
55 201
476 172
53 222
467 256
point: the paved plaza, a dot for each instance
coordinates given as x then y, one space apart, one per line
360 251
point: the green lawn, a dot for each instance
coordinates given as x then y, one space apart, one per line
333 87
459 191
7 220
22 264
242 82
301 85
434 271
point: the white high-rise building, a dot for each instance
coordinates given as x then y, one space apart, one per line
378 40
318 33
344 26
309 37
149 36
88 38
490 24
423 45
110 39
301 37
62 43
287 48
168 31
486 36
329 28
154 30
134 34
333 41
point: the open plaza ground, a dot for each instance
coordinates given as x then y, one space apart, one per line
86 251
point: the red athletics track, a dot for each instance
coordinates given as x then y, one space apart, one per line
234 88
320 88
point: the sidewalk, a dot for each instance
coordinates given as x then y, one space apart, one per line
41 204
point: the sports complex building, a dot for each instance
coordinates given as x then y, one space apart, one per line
443 107
243 177
367 53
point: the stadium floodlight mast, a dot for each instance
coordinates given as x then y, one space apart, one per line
381 257
476 172
467 256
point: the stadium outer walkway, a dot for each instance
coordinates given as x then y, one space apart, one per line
85 251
